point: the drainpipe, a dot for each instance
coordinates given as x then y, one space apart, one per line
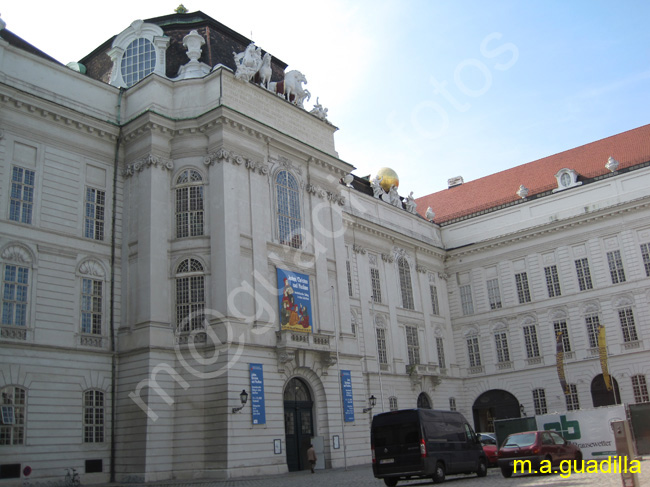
112 292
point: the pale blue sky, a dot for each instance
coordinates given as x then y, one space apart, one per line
433 89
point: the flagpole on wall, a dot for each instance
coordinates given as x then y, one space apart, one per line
338 363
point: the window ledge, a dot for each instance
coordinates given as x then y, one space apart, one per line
632 345
534 361
14 332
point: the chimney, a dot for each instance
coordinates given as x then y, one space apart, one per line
453 182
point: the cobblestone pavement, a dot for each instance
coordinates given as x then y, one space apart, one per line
361 476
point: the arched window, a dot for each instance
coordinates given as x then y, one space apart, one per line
12 427
423 401
16 278
405 283
189 204
138 61
288 206
93 416
190 295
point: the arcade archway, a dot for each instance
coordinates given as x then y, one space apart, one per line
601 396
492 405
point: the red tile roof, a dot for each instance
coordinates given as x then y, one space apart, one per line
629 149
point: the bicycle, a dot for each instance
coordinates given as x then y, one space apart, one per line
72 478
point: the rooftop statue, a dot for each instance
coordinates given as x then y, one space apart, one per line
265 71
410 203
319 111
377 190
392 197
293 81
248 63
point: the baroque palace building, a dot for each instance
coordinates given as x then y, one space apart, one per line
177 228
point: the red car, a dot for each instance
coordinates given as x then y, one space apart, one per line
536 447
489 444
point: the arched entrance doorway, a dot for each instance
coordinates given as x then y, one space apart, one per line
601 396
298 423
423 401
491 405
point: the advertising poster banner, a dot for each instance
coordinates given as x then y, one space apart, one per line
258 407
294 301
346 389
588 428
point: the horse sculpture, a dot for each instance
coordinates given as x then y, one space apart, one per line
293 90
265 71
248 62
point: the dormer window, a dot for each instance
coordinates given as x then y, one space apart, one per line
137 52
566 178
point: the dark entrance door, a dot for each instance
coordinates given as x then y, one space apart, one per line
298 423
601 396
492 405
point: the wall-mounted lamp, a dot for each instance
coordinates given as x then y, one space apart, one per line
243 397
522 410
373 401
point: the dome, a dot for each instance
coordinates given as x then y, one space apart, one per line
388 178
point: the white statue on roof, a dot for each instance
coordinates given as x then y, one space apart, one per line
392 197
248 63
410 203
319 111
375 184
293 90
265 71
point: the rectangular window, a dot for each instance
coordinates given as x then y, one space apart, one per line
405 283
189 211
349 272
412 345
392 403
552 281
473 352
501 341
494 294
376 284
15 281
572 402
584 274
452 404
560 327
530 339
93 417
91 306
22 195
382 353
440 348
616 270
94 216
523 292
628 327
466 299
435 308
645 253
13 399
539 400
640 388
593 322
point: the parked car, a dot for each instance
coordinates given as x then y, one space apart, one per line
424 443
489 443
535 446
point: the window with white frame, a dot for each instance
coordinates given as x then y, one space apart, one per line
382 351
593 323
288 208
452 404
560 327
530 340
392 403
539 401
190 295
412 344
189 204
640 388
12 428
523 291
615 263
349 276
552 281
473 351
440 348
139 61
572 401
91 306
501 342
376 285
494 293
435 307
21 202
93 416
95 206
584 274
628 326
15 291
405 283
466 302
645 254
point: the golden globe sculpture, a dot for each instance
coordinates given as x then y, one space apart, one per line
388 178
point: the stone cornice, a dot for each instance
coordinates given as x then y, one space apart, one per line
149 160
224 155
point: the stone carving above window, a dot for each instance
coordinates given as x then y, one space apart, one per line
566 178
92 268
147 161
222 154
16 253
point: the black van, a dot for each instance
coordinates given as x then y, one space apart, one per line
417 443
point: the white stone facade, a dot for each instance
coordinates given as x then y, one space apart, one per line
171 410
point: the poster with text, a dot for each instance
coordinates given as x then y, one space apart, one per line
257 394
294 301
348 402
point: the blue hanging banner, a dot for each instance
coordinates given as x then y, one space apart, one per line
257 394
346 389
